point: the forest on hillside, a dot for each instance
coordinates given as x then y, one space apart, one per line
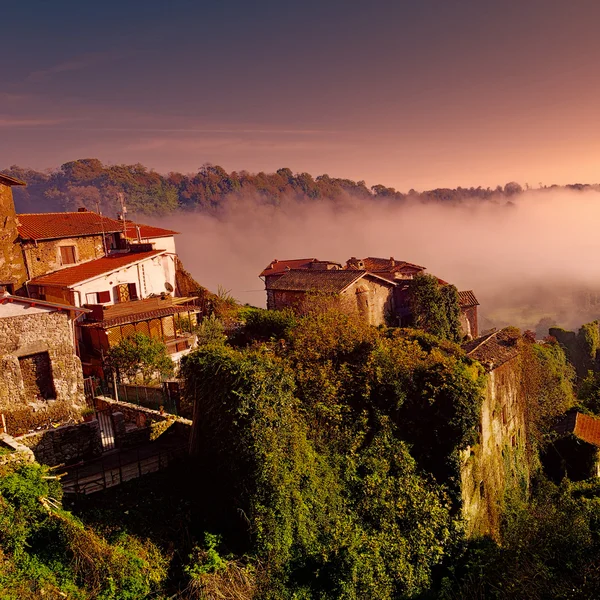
91 184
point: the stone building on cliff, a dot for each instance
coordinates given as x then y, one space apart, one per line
38 360
394 296
13 273
499 459
355 292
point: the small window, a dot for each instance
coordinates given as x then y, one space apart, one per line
103 297
67 255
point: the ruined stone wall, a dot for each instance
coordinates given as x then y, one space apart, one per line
12 265
65 445
499 461
44 257
42 331
469 322
367 299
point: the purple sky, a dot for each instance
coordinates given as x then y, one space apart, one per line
405 93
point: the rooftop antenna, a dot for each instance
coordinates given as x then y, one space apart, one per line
123 213
102 225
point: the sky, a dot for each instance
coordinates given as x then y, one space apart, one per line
411 94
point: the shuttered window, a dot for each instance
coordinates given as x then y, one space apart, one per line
67 255
103 297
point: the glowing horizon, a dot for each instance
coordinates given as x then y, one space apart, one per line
407 95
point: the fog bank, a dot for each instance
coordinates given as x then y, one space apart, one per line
531 258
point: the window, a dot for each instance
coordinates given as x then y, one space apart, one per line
36 371
103 297
126 292
67 255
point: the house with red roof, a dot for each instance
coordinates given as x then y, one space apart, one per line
397 296
576 451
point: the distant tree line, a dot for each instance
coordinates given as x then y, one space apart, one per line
91 184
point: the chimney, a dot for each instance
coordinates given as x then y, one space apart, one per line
82 209
392 261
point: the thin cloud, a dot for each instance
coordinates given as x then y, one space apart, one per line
6 122
75 64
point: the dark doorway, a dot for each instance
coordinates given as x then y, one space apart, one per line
37 376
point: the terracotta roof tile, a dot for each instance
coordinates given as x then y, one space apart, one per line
467 299
281 266
94 268
493 349
327 281
47 226
141 310
146 231
373 263
585 427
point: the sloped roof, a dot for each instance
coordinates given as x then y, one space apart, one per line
585 427
373 263
4 298
10 181
141 310
94 268
47 226
467 299
146 231
327 281
493 349
281 266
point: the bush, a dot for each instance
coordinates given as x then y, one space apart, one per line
140 355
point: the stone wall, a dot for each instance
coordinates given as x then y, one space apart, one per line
15 452
65 445
136 425
12 265
44 257
499 460
372 301
37 332
469 322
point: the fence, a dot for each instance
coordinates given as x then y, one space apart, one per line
165 397
119 467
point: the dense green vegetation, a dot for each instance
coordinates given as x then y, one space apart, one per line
47 552
435 307
311 473
87 182
140 357
325 466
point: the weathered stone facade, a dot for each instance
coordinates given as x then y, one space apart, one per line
499 461
364 295
12 265
44 256
47 335
65 445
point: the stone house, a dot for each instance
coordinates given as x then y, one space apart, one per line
357 292
54 241
38 360
499 459
13 273
576 452
399 273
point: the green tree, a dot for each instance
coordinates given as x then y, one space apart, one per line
435 308
140 356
